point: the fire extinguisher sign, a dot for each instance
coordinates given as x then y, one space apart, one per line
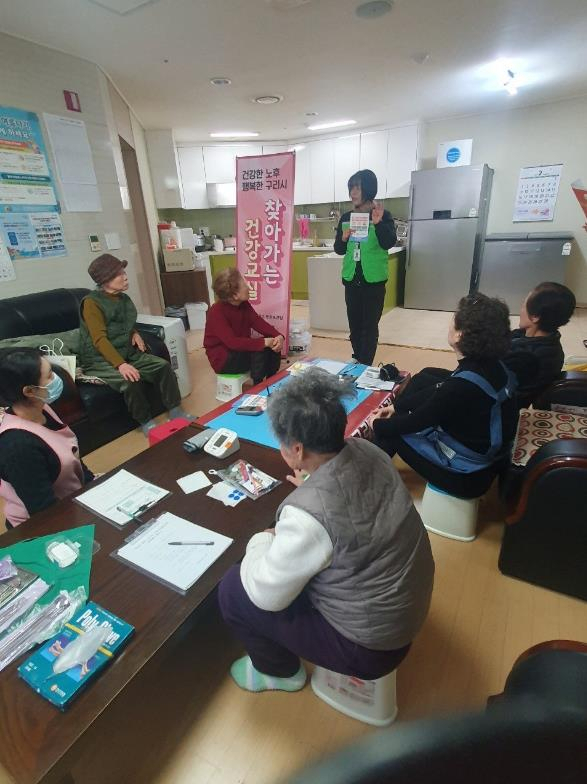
72 101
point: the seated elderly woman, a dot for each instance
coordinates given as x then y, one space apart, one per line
344 579
228 340
455 429
39 455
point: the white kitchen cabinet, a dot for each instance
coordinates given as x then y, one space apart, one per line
302 190
347 158
163 164
220 160
192 178
322 171
402 159
374 156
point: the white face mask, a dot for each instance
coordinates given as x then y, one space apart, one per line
54 389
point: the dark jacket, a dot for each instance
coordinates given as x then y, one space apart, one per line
536 362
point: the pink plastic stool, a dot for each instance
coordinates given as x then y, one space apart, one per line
161 432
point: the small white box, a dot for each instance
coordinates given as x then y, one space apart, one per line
455 153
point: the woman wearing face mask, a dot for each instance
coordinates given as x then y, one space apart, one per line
39 455
365 265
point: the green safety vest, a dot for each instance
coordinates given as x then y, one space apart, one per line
120 316
374 259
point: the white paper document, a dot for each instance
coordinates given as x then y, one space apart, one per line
178 565
331 366
193 482
122 497
366 382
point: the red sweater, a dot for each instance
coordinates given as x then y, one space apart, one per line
228 328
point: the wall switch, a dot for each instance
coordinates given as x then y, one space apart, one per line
95 244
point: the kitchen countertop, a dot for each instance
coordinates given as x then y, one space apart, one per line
304 248
333 255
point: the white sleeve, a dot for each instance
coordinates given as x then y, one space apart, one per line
276 568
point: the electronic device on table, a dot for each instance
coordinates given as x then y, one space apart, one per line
223 444
252 405
197 443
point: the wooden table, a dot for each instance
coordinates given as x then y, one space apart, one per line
35 736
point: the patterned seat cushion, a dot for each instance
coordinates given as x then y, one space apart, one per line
536 428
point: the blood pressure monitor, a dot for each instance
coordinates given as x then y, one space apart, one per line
223 443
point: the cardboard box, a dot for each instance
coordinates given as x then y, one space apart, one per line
180 260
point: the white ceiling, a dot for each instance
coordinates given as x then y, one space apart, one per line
319 56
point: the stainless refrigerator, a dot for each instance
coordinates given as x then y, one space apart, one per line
446 233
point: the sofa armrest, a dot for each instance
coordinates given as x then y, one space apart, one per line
561 453
570 390
152 334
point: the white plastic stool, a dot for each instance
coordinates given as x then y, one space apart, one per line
447 515
373 702
229 385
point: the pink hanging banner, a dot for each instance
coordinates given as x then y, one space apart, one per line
264 233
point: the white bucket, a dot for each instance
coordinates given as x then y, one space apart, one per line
196 314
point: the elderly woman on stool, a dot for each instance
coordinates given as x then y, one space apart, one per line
455 429
344 579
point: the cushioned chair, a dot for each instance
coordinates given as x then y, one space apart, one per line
517 744
545 537
552 675
569 390
96 413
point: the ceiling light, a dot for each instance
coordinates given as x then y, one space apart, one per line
374 9
268 100
233 134
311 114
220 81
337 124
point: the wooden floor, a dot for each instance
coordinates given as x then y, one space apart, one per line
185 722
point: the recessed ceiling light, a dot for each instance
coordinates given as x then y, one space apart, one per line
267 100
220 81
374 9
337 124
233 134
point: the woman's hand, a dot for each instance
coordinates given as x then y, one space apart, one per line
377 213
277 344
298 478
382 413
129 372
137 341
346 234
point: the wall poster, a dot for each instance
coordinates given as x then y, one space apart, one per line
26 184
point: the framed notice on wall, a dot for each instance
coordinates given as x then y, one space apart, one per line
537 193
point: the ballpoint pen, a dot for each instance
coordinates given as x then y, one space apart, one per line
136 515
190 542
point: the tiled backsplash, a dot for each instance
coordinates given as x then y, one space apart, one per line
222 221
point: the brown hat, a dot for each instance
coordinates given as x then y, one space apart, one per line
105 267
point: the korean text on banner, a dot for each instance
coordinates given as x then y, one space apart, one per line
264 217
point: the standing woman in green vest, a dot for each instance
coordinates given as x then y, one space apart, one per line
365 265
112 349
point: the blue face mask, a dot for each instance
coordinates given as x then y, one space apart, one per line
54 389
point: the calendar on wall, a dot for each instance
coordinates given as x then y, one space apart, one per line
537 193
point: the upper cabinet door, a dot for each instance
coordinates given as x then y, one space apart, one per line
302 190
374 157
322 171
192 178
402 159
220 160
163 165
347 159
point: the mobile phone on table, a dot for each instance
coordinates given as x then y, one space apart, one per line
249 410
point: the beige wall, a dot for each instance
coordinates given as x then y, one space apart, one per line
33 78
546 134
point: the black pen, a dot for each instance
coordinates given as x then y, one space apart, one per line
190 542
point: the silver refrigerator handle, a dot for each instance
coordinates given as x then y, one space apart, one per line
409 248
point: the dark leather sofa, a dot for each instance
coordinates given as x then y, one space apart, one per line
96 413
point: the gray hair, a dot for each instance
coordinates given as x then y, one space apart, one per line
309 410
